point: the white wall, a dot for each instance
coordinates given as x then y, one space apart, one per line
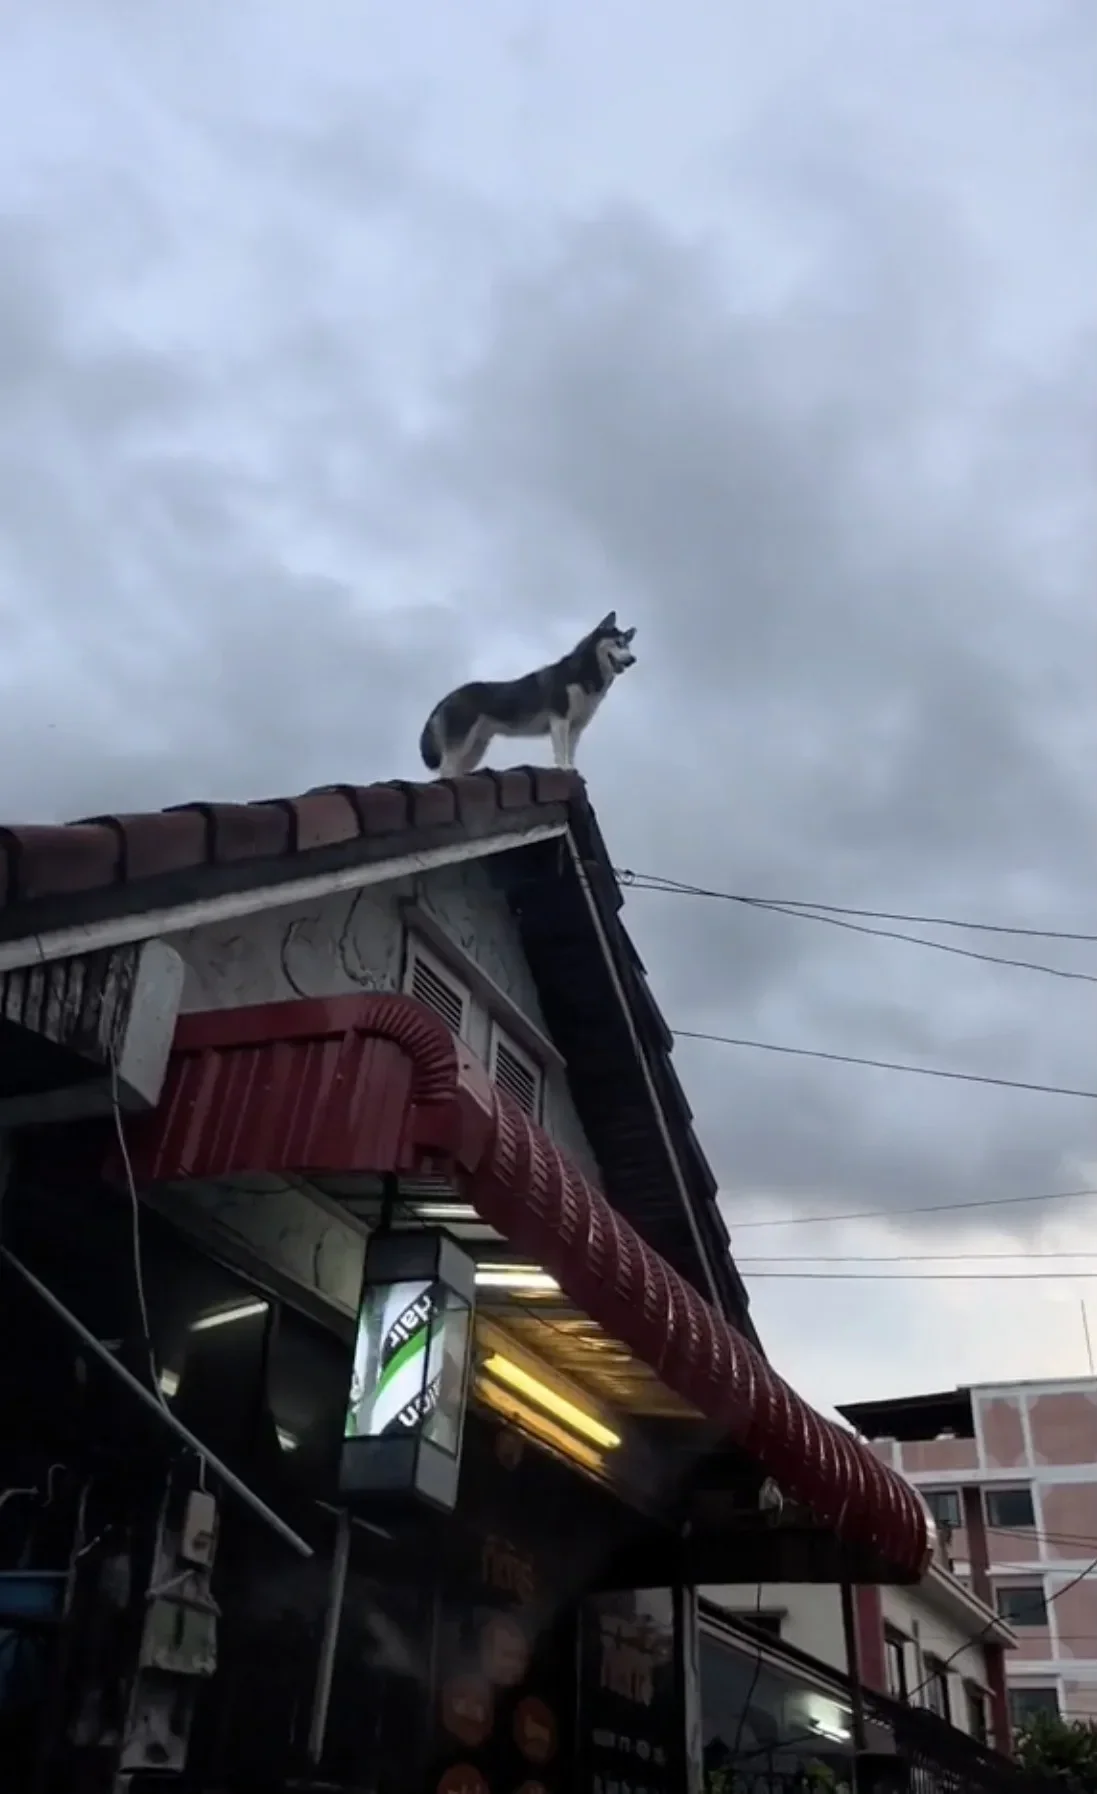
812 1621
355 942
911 1612
811 1613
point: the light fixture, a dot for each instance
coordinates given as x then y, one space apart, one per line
242 1311
511 1407
444 1211
836 1734
504 1370
406 1407
527 1279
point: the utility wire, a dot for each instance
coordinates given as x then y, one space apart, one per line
804 914
903 1258
655 882
1038 1607
925 1276
921 1071
923 1208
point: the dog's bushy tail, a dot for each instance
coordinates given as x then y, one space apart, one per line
428 743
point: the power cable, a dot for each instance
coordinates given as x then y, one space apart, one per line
138 1265
903 1258
924 1276
921 1071
804 914
655 882
1041 1606
922 1208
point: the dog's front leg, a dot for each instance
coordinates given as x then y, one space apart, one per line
560 731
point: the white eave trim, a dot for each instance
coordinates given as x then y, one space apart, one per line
231 906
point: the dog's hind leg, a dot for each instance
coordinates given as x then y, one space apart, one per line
466 755
560 733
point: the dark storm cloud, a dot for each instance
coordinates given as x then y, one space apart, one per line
854 685
300 419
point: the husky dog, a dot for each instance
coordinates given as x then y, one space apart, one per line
558 700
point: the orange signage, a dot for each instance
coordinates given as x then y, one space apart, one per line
535 1730
505 1652
463 1779
468 1708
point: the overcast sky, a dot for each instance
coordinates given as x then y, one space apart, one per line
346 347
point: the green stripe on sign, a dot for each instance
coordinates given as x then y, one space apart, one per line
410 1349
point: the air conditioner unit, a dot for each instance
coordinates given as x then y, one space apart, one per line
74 1033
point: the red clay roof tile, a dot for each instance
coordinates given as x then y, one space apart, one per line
79 856
77 860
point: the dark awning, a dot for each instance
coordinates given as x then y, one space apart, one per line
378 1084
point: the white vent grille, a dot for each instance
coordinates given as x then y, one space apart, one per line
430 984
517 1074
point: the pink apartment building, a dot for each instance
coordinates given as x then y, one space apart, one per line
1009 1471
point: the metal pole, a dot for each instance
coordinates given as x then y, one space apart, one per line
325 1672
853 1669
159 1408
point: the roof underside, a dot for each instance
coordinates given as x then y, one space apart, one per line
595 996
379 1084
914 1416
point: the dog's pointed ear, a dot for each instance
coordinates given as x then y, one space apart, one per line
628 634
609 621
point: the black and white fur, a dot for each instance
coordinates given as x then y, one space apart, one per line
557 700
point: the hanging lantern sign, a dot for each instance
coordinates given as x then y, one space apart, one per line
409 1387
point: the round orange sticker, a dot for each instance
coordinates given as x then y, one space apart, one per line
534 1730
463 1779
467 1709
506 1652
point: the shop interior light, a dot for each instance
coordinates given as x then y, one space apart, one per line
504 1370
243 1311
522 1279
511 1407
836 1734
444 1211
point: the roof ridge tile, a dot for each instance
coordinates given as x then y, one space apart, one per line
129 848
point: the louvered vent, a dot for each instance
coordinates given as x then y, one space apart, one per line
436 991
517 1076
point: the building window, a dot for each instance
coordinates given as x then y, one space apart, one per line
976 1701
944 1505
1009 1509
516 1073
895 1661
1023 1606
436 987
1026 1703
936 1689
769 1623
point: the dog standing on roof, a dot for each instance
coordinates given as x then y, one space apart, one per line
558 700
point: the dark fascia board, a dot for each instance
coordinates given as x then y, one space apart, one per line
713 1239
910 1416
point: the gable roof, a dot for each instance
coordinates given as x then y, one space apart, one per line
62 885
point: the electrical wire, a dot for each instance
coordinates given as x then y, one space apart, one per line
924 1276
903 1258
656 882
885 934
922 1208
1045 1601
759 1658
921 1071
135 1232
